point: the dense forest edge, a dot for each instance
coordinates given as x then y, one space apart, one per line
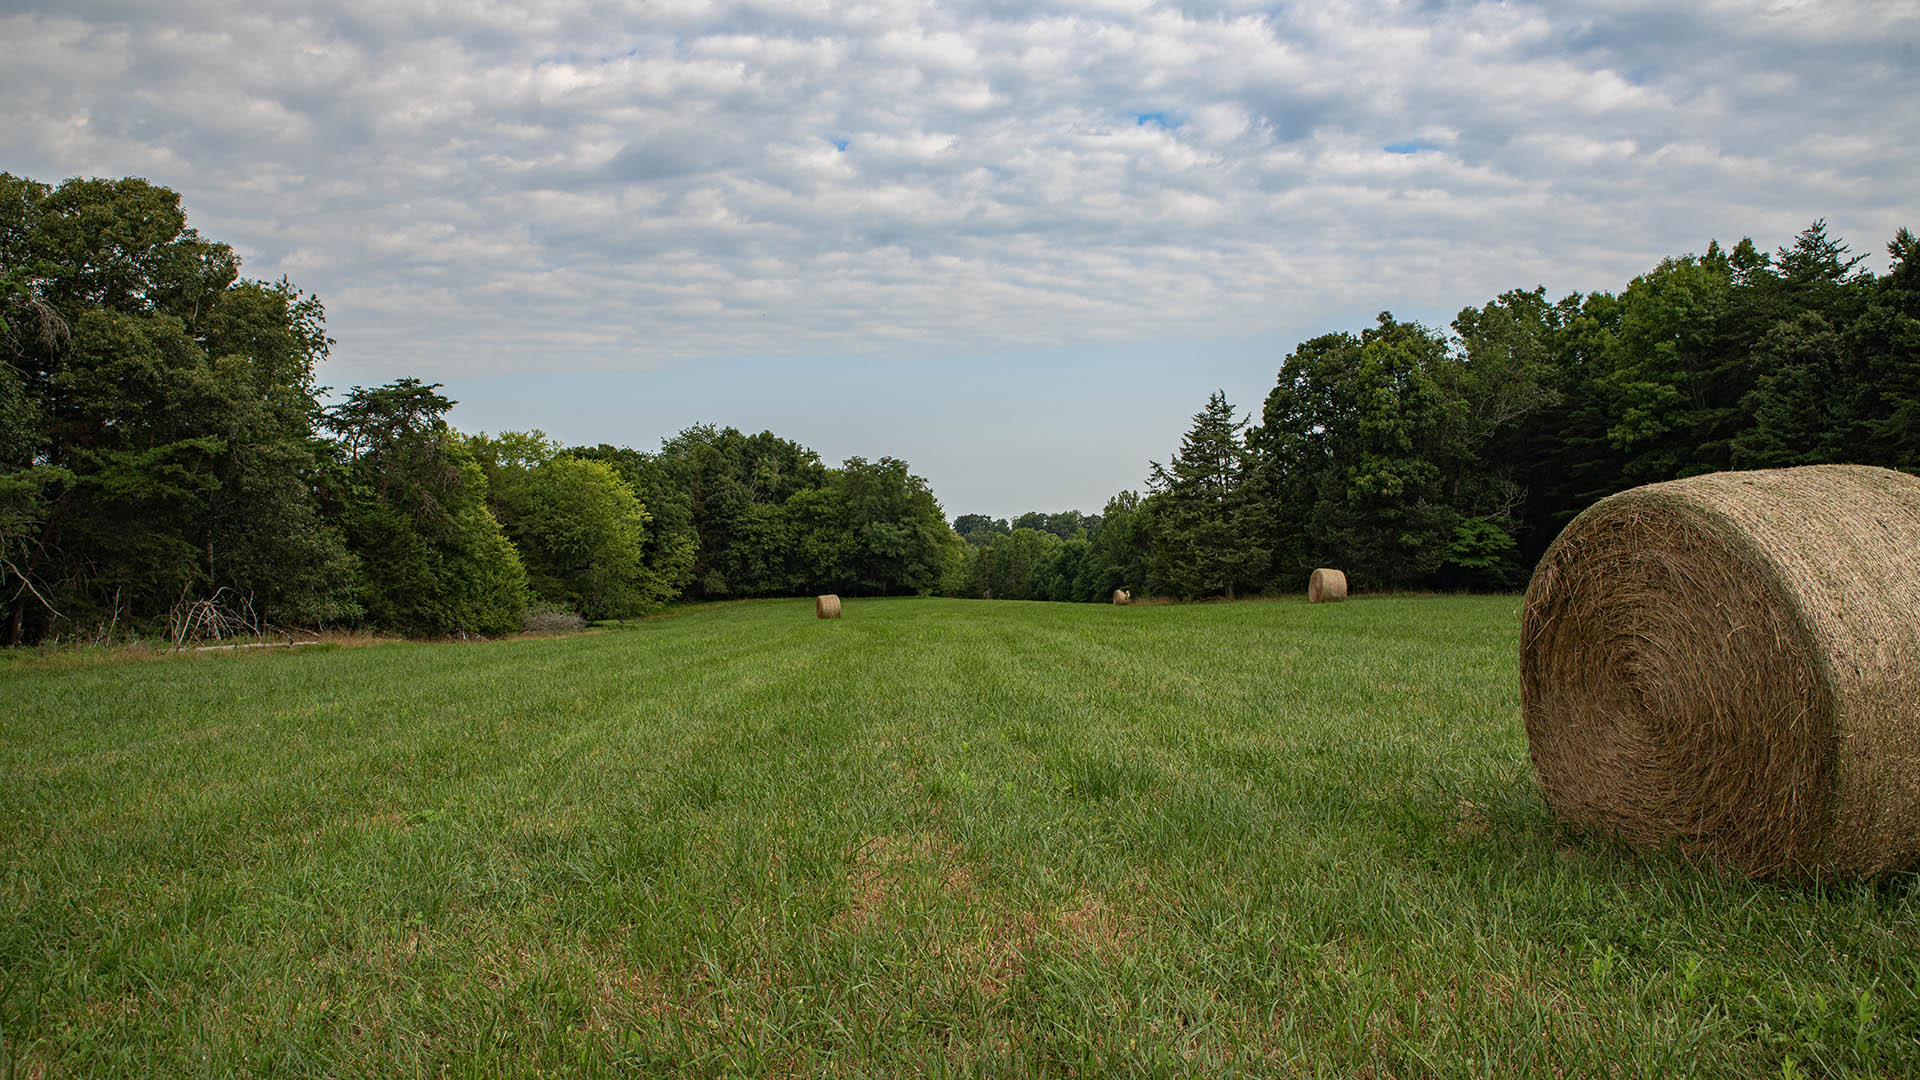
167 464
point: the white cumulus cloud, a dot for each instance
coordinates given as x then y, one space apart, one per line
502 186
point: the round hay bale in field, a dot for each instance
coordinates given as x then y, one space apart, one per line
1122 596
826 607
1732 662
1326 586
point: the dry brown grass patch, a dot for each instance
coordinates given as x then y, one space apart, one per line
1468 819
885 867
1093 923
989 943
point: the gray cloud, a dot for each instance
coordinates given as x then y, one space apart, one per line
503 187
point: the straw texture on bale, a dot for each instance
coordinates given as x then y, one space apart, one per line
1122 596
1326 586
827 607
1731 662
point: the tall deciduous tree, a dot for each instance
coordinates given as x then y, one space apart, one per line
162 413
577 525
1021 566
1357 440
1118 553
724 475
671 545
895 531
434 560
1505 374
979 529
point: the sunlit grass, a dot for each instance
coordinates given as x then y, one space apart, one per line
942 837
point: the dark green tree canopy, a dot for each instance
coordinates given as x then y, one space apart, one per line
1203 521
413 500
759 515
160 443
979 529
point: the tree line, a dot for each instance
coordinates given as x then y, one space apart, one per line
164 442
1417 459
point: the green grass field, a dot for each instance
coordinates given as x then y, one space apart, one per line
935 837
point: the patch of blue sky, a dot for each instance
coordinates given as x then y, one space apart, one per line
982 450
1157 119
839 144
574 57
1410 146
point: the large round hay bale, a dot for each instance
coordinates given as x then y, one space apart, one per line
827 606
1122 596
1326 586
1732 662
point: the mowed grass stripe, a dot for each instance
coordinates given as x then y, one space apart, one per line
930 837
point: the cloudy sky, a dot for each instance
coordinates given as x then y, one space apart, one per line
1015 244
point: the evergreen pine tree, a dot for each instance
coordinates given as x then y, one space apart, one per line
1203 526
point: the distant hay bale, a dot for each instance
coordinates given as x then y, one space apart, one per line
1326 586
1122 596
826 607
1732 662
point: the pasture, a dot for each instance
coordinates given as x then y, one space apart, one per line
933 837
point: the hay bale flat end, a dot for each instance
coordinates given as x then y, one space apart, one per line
1728 662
